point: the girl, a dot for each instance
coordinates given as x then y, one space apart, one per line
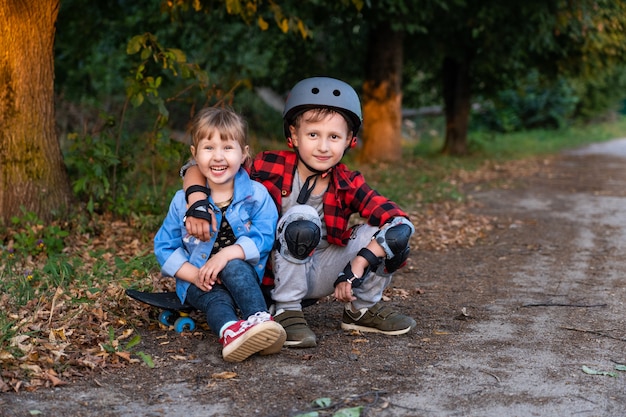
221 276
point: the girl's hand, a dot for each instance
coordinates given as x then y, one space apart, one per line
201 284
209 273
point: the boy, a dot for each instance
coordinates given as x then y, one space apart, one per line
315 195
221 276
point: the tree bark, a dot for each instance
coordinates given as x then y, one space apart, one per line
32 173
382 97
457 103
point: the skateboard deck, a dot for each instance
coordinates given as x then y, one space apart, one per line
174 312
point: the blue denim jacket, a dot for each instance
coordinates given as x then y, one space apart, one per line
252 215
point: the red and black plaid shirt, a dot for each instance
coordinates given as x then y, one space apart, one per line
347 194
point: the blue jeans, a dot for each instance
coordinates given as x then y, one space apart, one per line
240 289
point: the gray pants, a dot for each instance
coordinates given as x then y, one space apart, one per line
315 277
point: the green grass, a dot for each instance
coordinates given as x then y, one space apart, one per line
539 142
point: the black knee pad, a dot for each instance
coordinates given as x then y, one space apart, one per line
396 238
302 237
397 262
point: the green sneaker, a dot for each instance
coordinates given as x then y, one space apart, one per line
298 333
377 319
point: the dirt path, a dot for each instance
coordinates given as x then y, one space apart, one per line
505 327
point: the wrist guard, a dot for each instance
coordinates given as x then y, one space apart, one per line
200 210
348 276
371 259
197 188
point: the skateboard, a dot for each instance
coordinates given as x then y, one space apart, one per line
174 312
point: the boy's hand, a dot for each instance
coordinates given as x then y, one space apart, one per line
343 292
200 228
197 227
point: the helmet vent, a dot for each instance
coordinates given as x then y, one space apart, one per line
336 93
315 90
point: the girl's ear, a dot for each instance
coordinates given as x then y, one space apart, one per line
193 150
246 157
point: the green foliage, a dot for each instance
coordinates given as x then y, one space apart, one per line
113 346
501 146
30 237
155 59
422 180
605 91
155 63
91 37
139 265
91 161
8 330
326 403
535 103
123 175
424 174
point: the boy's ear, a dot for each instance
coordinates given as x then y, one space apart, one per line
290 141
353 142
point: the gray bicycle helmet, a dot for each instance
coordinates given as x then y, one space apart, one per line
323 92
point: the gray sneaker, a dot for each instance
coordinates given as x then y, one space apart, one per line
377 319
298 332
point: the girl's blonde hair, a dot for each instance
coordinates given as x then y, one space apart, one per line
224 121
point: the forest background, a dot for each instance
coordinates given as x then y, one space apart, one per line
447 86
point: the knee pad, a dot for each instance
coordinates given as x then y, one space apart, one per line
302 237
299 233
394 239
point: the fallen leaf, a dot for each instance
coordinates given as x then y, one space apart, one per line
124 355
322 402
224 375
5 356
349 412
126 333
55 381
590 371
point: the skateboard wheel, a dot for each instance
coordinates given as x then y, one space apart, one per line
167 318
184 323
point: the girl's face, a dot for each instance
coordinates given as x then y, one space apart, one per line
321 143
219 160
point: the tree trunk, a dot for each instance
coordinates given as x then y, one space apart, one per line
457 102
32 173
382 97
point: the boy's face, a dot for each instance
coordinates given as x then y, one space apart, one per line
218 160
321 142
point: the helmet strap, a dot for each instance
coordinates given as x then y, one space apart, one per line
307 188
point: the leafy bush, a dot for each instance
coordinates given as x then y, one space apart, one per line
604 92
534 104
